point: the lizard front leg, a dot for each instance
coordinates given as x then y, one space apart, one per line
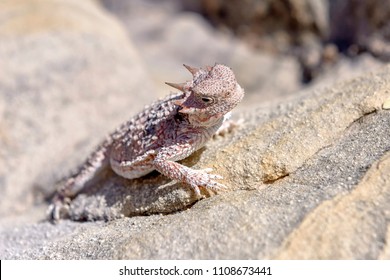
165 163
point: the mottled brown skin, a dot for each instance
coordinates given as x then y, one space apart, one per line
168 130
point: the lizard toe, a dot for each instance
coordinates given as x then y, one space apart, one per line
211 176
58 209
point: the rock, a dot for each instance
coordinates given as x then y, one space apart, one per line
361 213
341 178
274 25
365 26
58 95
386 104
347 69
273 150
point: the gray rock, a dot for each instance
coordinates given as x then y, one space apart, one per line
57 91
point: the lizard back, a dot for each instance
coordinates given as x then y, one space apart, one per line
150 130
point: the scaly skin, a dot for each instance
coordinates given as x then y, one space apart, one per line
168 130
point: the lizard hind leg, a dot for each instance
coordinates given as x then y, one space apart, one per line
135 168
86 175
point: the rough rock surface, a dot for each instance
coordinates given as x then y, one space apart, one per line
309 177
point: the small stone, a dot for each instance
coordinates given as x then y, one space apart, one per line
386 104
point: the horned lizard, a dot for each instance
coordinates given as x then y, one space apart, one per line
168 130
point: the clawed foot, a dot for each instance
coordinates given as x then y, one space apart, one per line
203 178
228 126
59 208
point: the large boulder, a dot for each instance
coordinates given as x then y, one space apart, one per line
307 177
64 66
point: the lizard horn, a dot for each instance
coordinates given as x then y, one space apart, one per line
193 70
177 86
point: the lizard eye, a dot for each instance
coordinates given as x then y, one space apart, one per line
207 100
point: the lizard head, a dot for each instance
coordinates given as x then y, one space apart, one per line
211 94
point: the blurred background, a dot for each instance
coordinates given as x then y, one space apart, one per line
276 47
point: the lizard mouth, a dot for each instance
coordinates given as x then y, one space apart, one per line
186 110
188 105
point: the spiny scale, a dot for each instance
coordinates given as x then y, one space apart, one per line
179 86
192 70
